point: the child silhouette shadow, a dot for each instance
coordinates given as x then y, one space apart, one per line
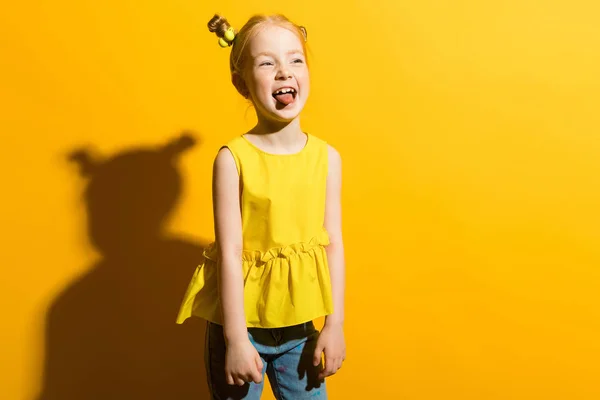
111 334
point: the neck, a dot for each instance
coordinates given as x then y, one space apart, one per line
277 132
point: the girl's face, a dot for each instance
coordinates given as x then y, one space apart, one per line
276 74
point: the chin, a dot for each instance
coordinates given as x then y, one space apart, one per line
286 114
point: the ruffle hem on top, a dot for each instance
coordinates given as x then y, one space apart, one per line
283 286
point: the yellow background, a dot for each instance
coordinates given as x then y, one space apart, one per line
469 134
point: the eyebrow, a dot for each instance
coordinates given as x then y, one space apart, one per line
267 53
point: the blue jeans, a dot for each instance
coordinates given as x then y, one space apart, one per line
287 356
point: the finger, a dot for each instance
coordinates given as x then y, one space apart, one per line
247 378
330 367
317 355
324 372
256 376
239 382
330 363
331 371
259 363
229 379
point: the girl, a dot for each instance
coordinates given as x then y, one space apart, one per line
278 259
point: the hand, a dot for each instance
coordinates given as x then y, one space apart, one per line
331 342
242 364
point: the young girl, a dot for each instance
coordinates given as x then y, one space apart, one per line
278 259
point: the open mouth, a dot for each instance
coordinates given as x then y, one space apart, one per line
285 95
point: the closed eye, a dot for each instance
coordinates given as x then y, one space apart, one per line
265 63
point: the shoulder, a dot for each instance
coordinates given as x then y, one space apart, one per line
334 163
317 140
224 160
334 155
234 144
227 156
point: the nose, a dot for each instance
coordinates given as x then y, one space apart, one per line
283 73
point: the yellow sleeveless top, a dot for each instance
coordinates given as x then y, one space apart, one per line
285 270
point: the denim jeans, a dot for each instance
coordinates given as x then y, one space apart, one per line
287 356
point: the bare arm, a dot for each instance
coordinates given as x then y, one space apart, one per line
228 232
331 339
333 224
242 361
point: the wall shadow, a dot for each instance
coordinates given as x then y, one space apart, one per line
111 334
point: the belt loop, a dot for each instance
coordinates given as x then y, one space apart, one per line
276 333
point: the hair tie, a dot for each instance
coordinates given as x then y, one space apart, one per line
227 39
221 27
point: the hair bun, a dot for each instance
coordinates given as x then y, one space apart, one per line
219 25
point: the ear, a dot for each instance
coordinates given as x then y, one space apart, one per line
304 33
240 84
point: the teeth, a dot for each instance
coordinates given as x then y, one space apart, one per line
285 90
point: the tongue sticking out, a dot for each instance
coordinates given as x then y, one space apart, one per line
285 98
